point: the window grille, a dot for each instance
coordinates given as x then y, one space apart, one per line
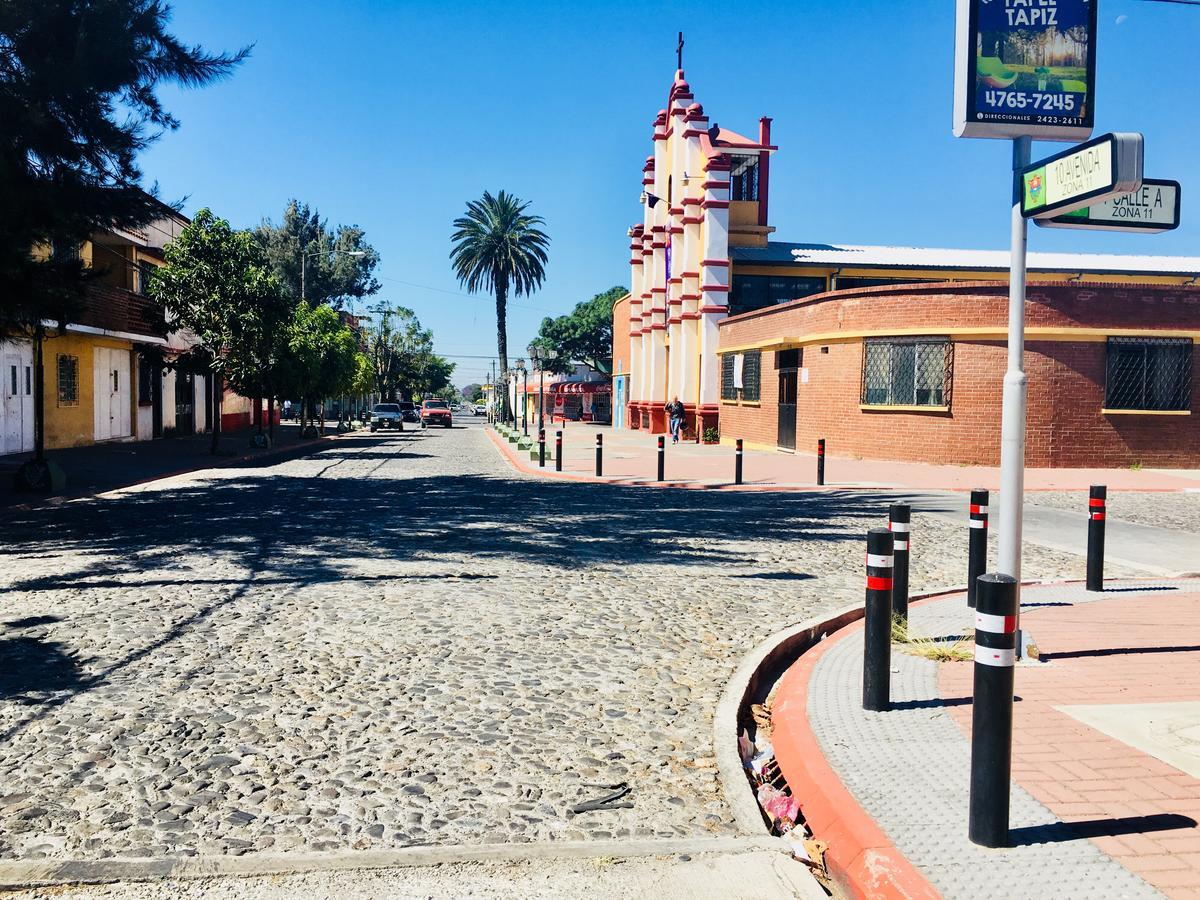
1149 373
899 372
743 178
751 376
728 391
68 380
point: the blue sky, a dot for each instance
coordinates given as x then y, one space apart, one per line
391 115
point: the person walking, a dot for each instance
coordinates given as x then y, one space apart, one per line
674 411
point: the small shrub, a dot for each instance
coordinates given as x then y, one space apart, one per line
711 435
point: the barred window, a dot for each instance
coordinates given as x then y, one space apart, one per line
727 389
146 378
751 376
900 372
68 380
1149 373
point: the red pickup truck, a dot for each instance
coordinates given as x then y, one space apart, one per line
436 412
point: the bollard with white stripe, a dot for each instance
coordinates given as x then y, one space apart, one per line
877 628
737 462
558 451
992 709
542 447
977 541
1097 509
599 454
662 457
898 524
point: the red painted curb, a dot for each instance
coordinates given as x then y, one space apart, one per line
860 856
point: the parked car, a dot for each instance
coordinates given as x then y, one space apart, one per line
409 411
387 415
480 409
436 412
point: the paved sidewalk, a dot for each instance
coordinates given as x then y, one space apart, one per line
108 466
1106 757
632 455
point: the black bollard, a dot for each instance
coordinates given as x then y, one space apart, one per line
976 541
599 455
558 451
662 457
877 630
737 462
992 713
821 461
898 525
542 447
1097 506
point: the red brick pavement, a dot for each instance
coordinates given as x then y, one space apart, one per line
1118 650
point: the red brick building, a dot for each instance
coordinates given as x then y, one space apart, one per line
914 372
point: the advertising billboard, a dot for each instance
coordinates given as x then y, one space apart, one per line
1025 68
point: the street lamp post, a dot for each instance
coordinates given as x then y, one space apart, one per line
524 397
540 357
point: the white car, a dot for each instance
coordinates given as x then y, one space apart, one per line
480 409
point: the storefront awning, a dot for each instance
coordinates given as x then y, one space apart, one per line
583 387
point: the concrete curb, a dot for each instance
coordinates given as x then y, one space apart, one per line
17 875
860 871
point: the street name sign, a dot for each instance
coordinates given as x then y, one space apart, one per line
1151 209
1089 173
1025 68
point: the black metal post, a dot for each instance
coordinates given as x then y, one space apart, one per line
992 715
662 457
976 542
898 524
542 447
599 455
1097 506
558 451
877 633
821 461
737 462
525 404
541 400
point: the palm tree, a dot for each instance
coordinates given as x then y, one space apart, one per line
498 247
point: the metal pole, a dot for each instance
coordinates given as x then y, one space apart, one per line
1012 416
1095 542
558 451
976 542
599 455
821 461
877 630
898 524
525 403
541 399
737 462
992 709
662 457
542 447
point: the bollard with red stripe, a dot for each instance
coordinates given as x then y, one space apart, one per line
820 461
662 457
898 524
877 628
737 462
542 447
599 454
558 451
992 709
976 542
1097 506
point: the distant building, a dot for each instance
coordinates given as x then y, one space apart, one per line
888 352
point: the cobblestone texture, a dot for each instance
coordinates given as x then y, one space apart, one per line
1179 510
397 641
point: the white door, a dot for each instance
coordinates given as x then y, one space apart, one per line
17 393
111 377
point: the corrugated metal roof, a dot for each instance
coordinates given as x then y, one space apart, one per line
778 252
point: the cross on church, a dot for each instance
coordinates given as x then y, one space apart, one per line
679 52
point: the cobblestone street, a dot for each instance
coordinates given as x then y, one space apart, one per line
398 641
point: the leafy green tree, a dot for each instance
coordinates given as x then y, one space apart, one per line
79 82
217 285
322 357
472 392
329 277
583 335
402 357
500 248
